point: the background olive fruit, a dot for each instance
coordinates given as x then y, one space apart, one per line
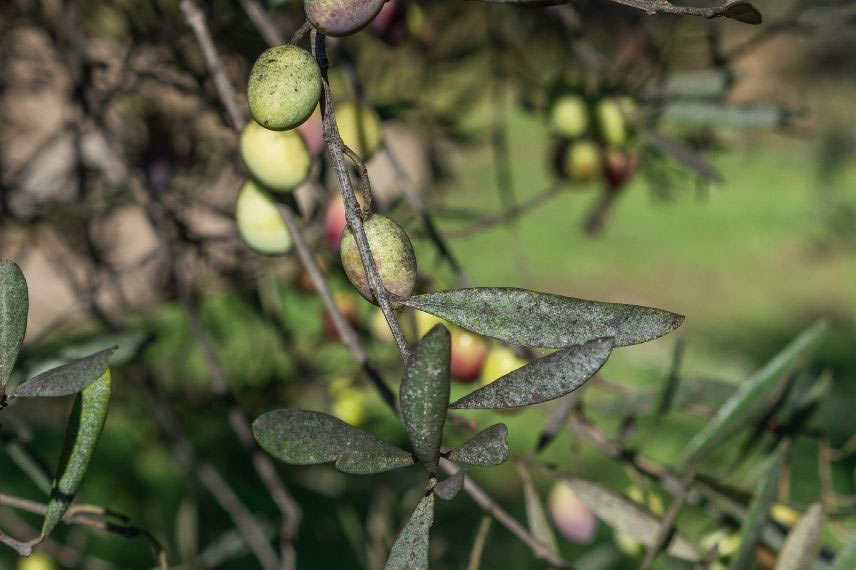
340 17
611 123
279 160
569 116
359 127
583 161
259 222
284 87
392 252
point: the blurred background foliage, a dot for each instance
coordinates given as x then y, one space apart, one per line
104 102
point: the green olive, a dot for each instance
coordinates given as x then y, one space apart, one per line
284 87
259 222
279 160
569 116
393 255
610 120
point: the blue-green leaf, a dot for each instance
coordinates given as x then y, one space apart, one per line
84 429
846 557
448 488
300 437
425 395
410 551
546 378
756 515
14 305
740 404
544 320
67 379
488 447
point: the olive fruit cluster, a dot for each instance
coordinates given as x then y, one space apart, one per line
283 91
593 139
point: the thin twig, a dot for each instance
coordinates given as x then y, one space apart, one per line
666 7
478 545
335 148
82 515
538 548
511 214
262 21
196 20
667 525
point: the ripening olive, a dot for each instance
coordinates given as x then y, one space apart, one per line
393 255
259 222
582 161
284 87
279 160
340 17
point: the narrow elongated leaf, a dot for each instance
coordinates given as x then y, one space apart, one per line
410 551
425 395
14 305
544 320
684 154
448 488
846 557
756 516
752 390
84 429
546 378
67 379
300 437
488 447
625 516
803 542
714 113
743 12
536 518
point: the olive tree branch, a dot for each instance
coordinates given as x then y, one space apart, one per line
335 148
538 548
82 515
665 7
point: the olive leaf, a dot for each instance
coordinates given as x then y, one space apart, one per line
67 379
715 113
544 320
846 558
742 12
536 518
488 447
741 403
803 542
684 154
546 378
301 437
84 429
425 395
756 516
448 488
14 305
625 516
410 551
